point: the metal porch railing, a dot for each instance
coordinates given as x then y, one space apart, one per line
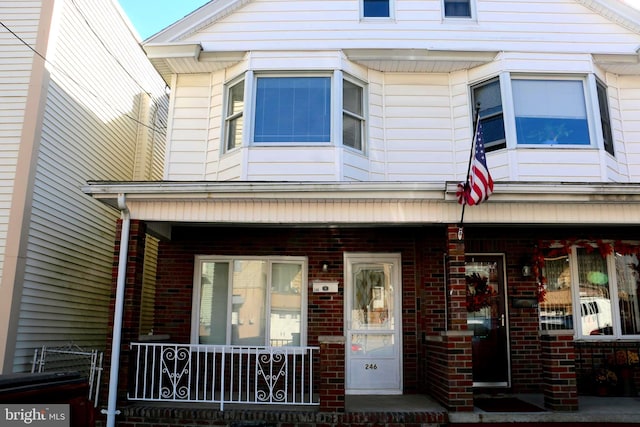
223 374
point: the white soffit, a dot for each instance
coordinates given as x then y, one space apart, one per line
371 203
419 60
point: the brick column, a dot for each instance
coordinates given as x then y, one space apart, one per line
558 358
332 373
450 373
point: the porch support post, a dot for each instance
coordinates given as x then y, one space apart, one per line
332 373
450 373
117 316
559 383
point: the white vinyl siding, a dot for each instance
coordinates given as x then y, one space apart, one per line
90 131
189 124
501 25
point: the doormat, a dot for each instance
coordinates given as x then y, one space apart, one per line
505 404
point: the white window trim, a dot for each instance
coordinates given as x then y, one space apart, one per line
613 293
508 107
225 108
365 111
197 284
253 96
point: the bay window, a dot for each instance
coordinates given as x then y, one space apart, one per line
547 112
249 301
595 292
293 109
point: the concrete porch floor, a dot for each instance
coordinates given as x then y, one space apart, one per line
605 410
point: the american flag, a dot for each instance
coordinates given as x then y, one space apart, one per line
479 185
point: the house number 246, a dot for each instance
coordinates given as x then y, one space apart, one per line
368 366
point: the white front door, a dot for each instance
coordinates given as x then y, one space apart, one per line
372 323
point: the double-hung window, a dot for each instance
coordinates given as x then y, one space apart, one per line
546 112
253 301
594 292
294 110
488 102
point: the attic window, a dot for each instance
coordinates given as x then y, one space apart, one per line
457 8
376 8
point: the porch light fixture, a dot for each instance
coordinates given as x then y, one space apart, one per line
324 265
526 271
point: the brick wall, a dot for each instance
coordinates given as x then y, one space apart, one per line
420 248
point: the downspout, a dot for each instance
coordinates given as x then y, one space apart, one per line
111 410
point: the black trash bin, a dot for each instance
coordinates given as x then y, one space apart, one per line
70 388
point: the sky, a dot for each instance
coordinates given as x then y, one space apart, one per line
151 16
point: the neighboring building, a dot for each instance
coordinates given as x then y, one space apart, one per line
309 199
79 100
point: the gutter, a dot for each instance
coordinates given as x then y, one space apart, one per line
111 410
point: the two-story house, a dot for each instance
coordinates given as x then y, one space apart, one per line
79 99
308 211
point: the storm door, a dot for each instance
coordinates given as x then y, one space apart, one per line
487 318
372 324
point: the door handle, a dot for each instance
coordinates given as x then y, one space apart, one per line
502 320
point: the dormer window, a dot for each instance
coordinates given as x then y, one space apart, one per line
376 8
457 8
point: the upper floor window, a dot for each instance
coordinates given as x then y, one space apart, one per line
593 292
294 110
546 112
376 8
550 112
250 301
605 122
486 97
457 8
235 110
352 115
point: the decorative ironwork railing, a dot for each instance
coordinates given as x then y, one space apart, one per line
223 374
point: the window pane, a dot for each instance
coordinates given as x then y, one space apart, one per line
376 8
603 104
556 312
352 97
628 283
352 132
595 300
490 102
234 132
248 302
457 8
293 109
235 109
213 303
286 304
236 99
550 112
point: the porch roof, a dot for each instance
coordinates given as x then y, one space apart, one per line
370 203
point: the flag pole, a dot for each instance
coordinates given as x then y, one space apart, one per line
466 181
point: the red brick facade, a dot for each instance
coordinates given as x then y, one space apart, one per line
436 344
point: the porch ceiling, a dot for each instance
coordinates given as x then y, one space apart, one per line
360 203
